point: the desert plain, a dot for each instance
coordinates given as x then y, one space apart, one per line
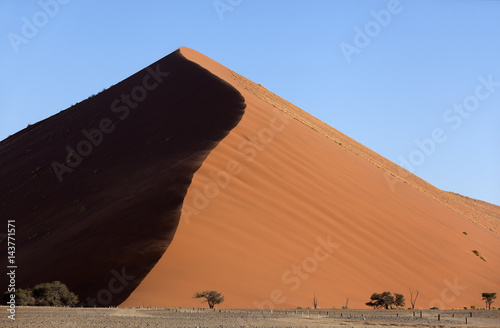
30 317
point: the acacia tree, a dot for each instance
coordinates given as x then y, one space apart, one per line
212 297
488 298
384 299
399 300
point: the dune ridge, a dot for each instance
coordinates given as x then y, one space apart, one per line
96 190
286 206
483 213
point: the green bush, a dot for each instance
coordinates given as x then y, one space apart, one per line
54 294
46 294
23 297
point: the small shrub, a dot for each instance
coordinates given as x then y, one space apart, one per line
472 307
475 251
434 308
45 294
54 294
23 297
465 233
299 307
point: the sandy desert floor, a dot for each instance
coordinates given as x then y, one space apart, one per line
119 317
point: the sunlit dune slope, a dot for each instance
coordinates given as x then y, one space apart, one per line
286 206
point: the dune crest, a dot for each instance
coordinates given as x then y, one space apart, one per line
96 191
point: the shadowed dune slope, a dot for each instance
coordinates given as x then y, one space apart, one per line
286 206
103 223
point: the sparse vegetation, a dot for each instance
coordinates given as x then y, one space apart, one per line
489 298
46 294
413 300
475 251
315 301
465 233
23 297
53 294
399 301
383 300
212 297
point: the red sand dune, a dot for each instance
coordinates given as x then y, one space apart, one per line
108 218
280 206
285 207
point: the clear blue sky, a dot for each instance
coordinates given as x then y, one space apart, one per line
416 66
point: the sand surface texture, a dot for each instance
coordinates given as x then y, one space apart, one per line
285 207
